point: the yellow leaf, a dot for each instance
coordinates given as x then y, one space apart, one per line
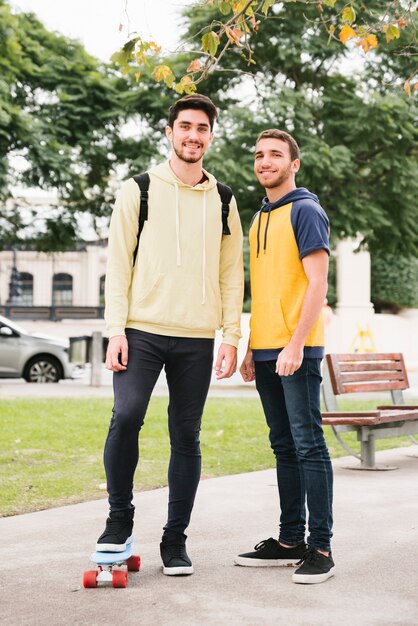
162 73
407 88
392 32
348 15
347 33
154 46
194 66
372 41
185 85
367 42
137 76
238 6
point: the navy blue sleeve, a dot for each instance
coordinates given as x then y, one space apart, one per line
311 227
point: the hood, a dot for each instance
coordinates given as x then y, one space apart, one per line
58 341
297 194
300 193
164 172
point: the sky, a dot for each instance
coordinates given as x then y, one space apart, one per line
96 22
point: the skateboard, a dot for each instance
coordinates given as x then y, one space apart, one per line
107 562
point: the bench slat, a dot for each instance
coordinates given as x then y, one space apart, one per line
348 366
369 418
368 356
355 377
402 407
376 386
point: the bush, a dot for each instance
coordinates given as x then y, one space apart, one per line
394 282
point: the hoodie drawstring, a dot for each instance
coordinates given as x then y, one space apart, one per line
177 226
204 248
265 230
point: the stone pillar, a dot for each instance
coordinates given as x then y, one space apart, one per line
354 309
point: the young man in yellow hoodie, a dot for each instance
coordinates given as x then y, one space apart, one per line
163 306
289 252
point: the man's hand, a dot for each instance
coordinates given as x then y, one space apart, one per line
117 354
289 359
247 367
226 363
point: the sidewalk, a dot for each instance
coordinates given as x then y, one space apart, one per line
43 556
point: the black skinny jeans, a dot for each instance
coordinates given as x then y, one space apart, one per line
188 365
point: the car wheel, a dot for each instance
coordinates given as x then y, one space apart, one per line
43 369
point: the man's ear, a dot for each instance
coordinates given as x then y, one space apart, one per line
295 166
169 132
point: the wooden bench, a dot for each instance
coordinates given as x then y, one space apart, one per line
354 373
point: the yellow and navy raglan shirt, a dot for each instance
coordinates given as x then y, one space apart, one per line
282 233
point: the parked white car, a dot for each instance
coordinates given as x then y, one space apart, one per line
36 358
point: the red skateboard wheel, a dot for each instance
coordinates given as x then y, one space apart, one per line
90 579
134 563
119 579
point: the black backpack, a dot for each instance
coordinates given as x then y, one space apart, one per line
143 181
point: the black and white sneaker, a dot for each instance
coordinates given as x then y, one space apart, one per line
270 553
176 561
118 532
314 567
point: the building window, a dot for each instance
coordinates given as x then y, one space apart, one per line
102 290
62 290
26 288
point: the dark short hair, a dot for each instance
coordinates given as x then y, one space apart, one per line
195 101
274 133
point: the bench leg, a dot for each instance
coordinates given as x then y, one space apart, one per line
368 449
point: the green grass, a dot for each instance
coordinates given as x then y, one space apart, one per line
52 450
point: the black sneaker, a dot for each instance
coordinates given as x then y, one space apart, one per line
314 567
175 558
271 553
118 532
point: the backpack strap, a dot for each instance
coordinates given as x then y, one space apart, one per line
142 180
226 195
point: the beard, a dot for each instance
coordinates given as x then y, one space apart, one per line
279 180
187 159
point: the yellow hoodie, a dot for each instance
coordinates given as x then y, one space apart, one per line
188 279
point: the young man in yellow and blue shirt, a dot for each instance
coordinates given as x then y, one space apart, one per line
289 251
163 306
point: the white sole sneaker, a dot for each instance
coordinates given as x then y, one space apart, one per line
248 562
312 579
114 547
178 571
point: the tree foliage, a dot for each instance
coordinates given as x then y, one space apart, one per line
60 117
232 27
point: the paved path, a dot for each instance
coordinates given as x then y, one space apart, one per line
43 555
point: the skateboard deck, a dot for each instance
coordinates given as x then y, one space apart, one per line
109 567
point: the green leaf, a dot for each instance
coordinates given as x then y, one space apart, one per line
225 8
210 42
267 4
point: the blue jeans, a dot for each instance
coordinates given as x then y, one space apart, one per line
304 472
188 366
